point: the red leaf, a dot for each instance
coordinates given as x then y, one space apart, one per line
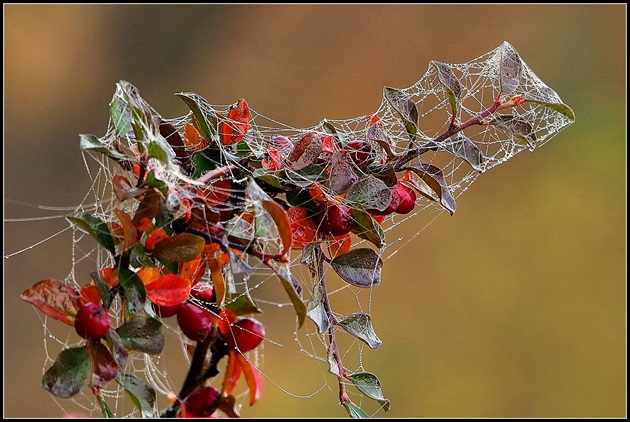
104 367
253 377
305 151
303 228
237 125
55 299
168 290
233 372
217 193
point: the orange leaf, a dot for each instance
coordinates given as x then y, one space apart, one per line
233 372
193 140
149 274
279 216
253 377
168 290
90 293
129 230
192 270
339 245
55 299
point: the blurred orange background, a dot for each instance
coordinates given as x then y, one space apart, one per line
513 307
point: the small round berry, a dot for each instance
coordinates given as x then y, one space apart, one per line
336 220
246 333
407 199
361 153
203 291
195 322
92 321
166 311
202 401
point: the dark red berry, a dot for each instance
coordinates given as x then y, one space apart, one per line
166 311
246 333
92 321
195 322
361 153
393 205
336 220
407 199
203 291
202 402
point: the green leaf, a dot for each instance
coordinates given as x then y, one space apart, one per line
561 108
292 286
510 69
156 151
465 149
121 118
370 193
315 310
405 107
180 248
243 305
196 104
96 228
92 143
450 83
333 364
143 334
355 411
103 289
516 126
434 178
134 291
370 385
69 372
105 409
367 228
360 326
140 392
360 267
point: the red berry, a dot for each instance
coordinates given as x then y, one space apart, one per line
195 322
361 153
203 291
407 199
92 321
393 205
336 220
246 333
166 311
202 402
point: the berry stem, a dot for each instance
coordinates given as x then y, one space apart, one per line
479 119
332 339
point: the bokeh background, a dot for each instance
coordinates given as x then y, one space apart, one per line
513 307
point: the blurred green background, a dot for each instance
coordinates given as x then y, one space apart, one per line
513 307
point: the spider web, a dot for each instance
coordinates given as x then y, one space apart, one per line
470 88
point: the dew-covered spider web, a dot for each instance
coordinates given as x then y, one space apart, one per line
436 137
